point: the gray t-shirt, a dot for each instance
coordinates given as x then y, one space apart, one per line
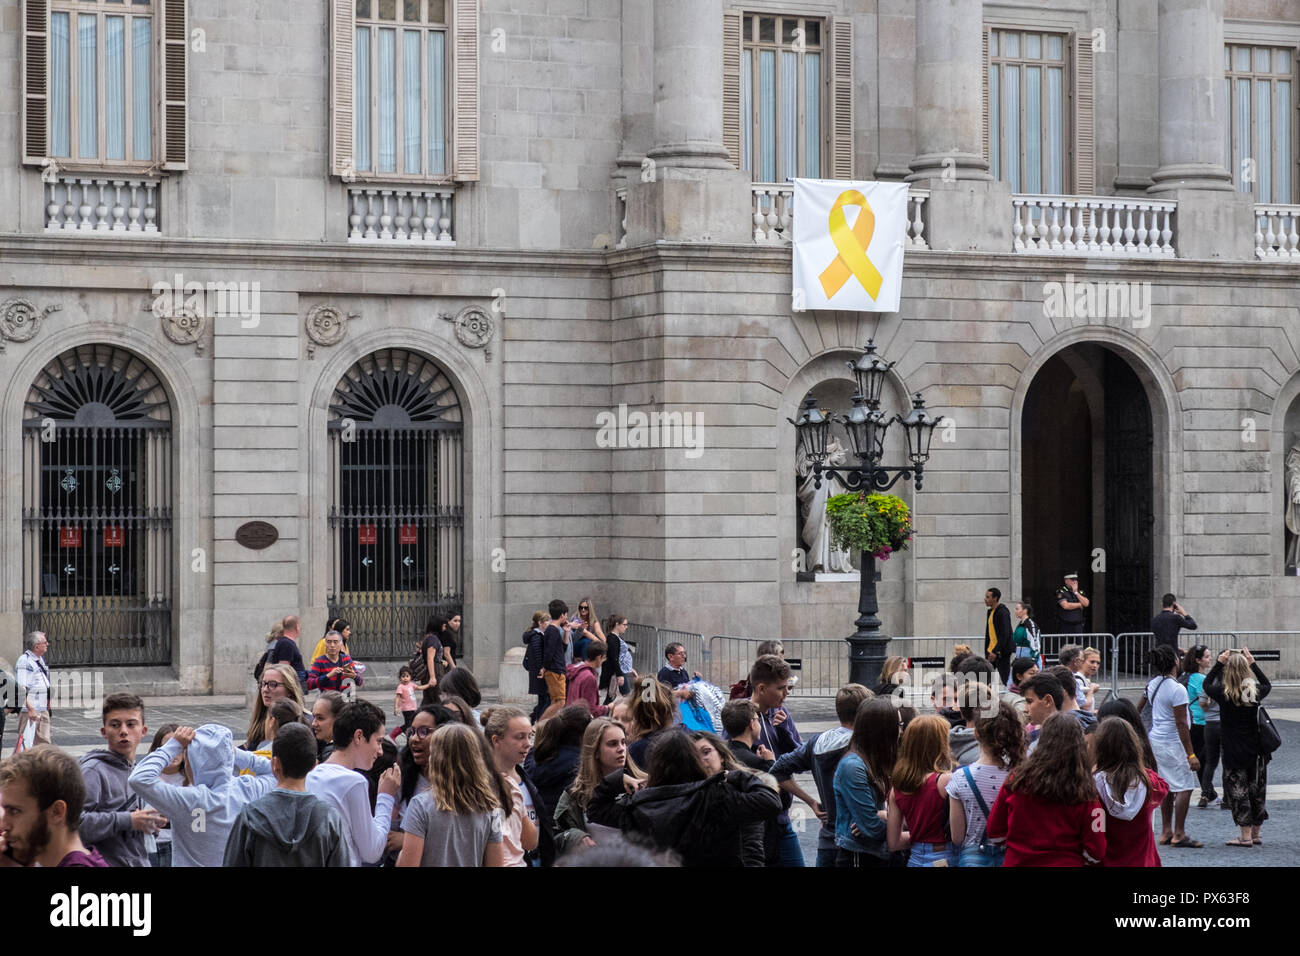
450 839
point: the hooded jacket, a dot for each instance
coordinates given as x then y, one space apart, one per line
202 815
287 828
106 819
963 746
703 822
821 755
553 776
582 686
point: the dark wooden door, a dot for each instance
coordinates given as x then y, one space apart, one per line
1130 518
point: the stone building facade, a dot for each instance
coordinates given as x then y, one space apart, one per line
389 365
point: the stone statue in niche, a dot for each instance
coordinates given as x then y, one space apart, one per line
1293 506
815 533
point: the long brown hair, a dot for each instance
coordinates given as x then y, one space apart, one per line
1057 770
655 713
459 780
589 775
875 739
258 721
159 739
893 666
923 751
1003 736
1118 754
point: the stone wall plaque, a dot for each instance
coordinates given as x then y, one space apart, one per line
257 535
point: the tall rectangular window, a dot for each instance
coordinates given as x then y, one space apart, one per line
101 69
1027 98
400 87
1259 135
781 103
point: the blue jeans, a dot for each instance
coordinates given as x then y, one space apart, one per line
791 852
826 857
971 856
925 855
163 855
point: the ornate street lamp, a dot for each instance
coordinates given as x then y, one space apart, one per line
866 425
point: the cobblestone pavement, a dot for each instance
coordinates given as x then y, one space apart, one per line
78 732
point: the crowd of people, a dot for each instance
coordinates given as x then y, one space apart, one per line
612 767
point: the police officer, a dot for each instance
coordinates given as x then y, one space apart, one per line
1071 601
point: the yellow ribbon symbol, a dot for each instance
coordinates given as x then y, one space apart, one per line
851 246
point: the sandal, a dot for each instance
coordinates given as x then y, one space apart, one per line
1165 841
1237 842
1189 844
1257 842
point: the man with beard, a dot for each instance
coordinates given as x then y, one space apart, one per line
41 796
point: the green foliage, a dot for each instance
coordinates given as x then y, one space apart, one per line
877 524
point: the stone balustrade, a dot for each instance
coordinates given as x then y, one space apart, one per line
1276 235
774 214
401 214
114 207
1102 226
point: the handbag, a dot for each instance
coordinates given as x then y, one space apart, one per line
1269 739
419 666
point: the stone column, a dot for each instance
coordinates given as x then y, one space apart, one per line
968 210
637 88
1191 83
688 85
1214 220
949 68
689 192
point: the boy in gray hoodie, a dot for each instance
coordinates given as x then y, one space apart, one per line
114 820
289 826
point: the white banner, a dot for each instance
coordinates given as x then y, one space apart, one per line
848 244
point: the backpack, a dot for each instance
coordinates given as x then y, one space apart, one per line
1269 738
532 656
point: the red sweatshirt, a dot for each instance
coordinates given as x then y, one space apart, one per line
583 686
1041 833
1131 842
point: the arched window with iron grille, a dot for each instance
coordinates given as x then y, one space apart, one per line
396 510
97 509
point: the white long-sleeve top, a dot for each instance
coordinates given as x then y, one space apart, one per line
348 791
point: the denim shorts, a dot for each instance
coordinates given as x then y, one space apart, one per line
926 855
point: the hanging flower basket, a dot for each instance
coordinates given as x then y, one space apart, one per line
877 524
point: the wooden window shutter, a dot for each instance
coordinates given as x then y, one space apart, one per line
343 33
1085 158
465 145
841 90
984 98
733 54
36 65
173 120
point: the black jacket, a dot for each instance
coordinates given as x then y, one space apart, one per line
1002 628
610 669
1238 723
554 776
545 821
703 822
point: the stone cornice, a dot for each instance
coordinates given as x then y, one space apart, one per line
381 260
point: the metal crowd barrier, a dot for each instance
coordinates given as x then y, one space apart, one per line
820 665
697 652
646 652
1279 655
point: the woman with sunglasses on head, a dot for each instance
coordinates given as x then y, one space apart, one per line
586 629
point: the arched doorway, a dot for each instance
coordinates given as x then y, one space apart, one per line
396 501
1088 475
97 509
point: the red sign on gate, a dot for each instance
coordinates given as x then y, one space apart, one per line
69 537
366 534
114 536
408 534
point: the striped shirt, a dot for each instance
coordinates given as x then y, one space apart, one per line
34 674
